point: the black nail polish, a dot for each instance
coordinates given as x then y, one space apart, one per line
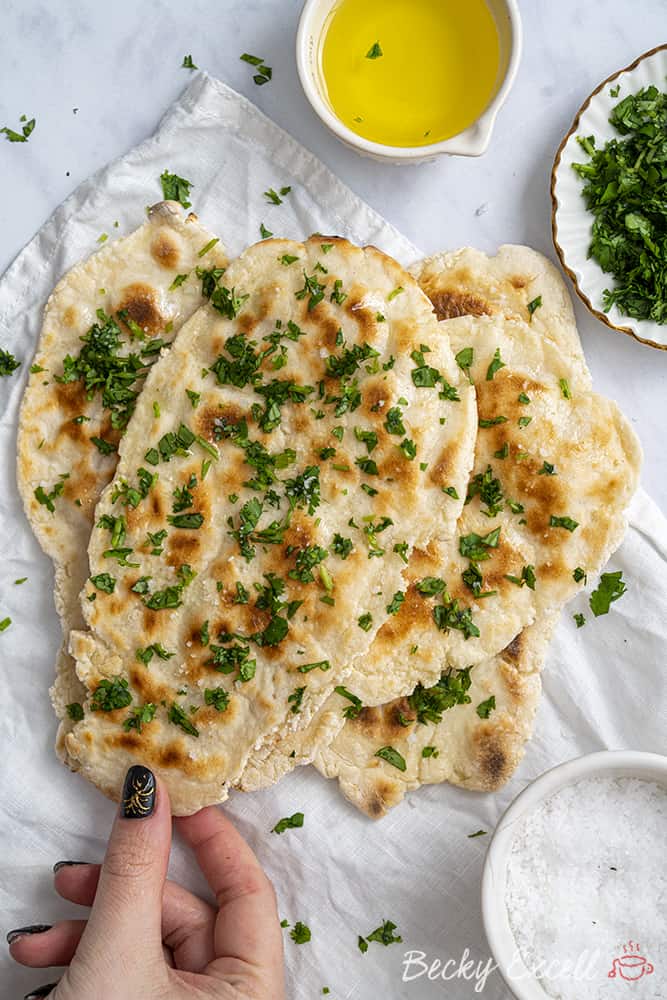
41 991
22 931
67 864
138 798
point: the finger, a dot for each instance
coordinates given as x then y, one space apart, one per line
188 923
127 911
247 929
53 947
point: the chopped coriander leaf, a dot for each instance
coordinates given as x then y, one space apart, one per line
475 547
75 711
547 470
177 716
104 447
478 833
110 695
300 933
157 649
393 757
614 91
4 624
287 259
253 60
362 944
296 698
488 488
9 364
524 421
48 499
409 448
294 822
610 588
311 288
139 716
188 63
337 295
579 574
21 579
451 492
565 388
365 621
580 620
449 616
175 188
533 305
385 934
430 585
527 577
23 135
430 752
35 369
264 232
375 51
495 365
563 522
485 708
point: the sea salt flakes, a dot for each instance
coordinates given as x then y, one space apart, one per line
587 888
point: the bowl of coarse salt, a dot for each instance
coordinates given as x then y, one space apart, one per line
574 891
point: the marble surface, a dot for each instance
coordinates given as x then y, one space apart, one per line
119 66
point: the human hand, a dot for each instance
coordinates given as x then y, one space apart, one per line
149 938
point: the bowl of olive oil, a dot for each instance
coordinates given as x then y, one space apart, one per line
406 80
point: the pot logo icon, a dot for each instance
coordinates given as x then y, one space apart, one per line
631 965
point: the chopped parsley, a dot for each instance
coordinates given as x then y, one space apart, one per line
565 388
4 624
563 522
383 935
533 305
48 499
430 752
449 616
365 621
75 711
323 665
464 360
295 699
488 488
485 708
264 232
579 574
475 547
177 717
104 582
188 63
23 135
610 588
300 933
394 605
352 710
580 620
110 695
175 188
527 577
294 822
8 363
547 470
393 757
495 365
375 51
139 716
452 689
273 197
155 649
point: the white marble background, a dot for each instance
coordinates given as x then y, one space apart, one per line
119 64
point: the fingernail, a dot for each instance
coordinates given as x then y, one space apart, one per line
13 936
138 798
67 864
41 991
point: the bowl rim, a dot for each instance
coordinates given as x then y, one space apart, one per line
618 763
471 141
603 317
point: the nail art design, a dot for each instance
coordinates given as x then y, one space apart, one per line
22 931
66 864
138 799
41 991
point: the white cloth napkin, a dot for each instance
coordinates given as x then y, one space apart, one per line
342 874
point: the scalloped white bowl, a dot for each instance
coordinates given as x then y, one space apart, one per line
571 221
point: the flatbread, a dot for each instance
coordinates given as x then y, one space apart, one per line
594 459
346 336
516 283
135 276
464 748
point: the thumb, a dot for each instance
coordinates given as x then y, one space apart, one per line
127 913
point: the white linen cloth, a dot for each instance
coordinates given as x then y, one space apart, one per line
605 685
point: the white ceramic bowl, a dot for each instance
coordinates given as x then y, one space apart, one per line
473 141
608 763
571 220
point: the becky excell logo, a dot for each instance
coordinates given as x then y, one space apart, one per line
588 966
631 965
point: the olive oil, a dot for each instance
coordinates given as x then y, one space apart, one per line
409 72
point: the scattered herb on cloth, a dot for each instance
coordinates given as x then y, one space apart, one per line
626 191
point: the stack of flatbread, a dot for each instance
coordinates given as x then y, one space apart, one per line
310 507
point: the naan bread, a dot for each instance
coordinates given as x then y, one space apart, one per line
477 744
58 459
467 282
568 456
269 506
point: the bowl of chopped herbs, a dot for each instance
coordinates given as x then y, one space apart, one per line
609 200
